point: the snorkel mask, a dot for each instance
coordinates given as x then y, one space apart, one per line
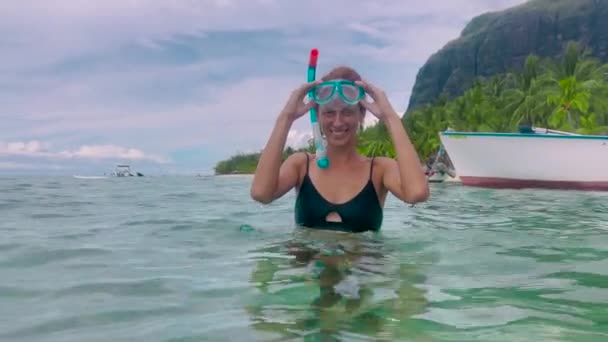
348 91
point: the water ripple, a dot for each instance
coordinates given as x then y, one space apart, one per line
148 287
43 257
93 320
167 259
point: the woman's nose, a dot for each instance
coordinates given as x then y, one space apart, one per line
339 118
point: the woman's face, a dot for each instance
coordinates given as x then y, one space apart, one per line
340 121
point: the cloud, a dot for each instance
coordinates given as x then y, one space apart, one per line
23 148
297 138
200 77
111 152
71 29
16 166
37 149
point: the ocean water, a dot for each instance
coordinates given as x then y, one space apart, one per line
194 259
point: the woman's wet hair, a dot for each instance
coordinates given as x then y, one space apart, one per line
342 72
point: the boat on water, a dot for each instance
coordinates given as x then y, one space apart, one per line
90 177
441 169
441 175
532 158
123 170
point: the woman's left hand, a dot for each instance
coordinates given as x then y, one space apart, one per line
381 107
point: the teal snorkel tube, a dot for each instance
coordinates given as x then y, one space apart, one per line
320 151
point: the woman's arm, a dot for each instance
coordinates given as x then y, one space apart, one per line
403 177
273 179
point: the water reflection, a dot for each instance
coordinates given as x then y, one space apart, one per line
322 285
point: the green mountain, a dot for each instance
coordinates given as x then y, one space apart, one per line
499 42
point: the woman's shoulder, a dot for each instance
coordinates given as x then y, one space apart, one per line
383 162
299 157
298 160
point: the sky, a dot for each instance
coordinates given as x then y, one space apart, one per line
174 86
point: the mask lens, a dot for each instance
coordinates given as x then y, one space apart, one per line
351 93
323 92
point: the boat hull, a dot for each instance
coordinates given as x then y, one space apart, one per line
516 161
441 178
90 177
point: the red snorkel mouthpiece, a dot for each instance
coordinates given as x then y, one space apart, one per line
314 55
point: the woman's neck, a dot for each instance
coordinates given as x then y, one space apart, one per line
342 155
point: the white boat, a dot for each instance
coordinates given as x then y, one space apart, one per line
90 177
539 158
124 170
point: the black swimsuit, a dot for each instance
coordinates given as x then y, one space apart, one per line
362 213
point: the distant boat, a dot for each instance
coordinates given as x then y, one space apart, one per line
124 170
533 158
90 177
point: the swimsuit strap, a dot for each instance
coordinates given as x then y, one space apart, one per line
371 167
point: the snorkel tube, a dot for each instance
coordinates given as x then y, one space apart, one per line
320 151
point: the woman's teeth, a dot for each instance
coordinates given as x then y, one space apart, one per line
339 132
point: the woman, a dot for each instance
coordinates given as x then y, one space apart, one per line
348 195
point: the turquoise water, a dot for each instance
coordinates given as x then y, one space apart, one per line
194 259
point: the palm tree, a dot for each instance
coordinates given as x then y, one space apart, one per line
575 86
499 120
424 126
570 101
376 141
526 101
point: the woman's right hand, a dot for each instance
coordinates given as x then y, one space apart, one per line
295 107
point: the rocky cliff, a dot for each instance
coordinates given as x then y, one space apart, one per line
500 41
